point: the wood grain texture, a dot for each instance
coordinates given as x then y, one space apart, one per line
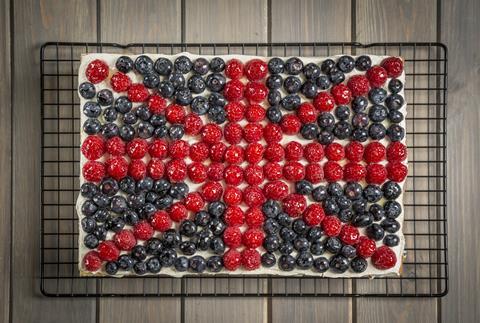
460 33
5 160
34 23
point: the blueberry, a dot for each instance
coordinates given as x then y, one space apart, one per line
326 121
126 132
92 109
154 246
271 226
88 189
215 82
377 95
353 190
217 114
336 76
202 218
304 260
333 245
198 264
335 189
395 85
327 65
274 97
290 102
395 116
163 66
217 64
199 105
196 84
323 82
127 185
345 215
300 227
325 137
375 232
372 193
161 187
100 232
200 66
377 113
183 96
153 265
188 228
216 99
139 253
362 220
321 264
392 209
358 265
395 132
143 64
346 64
343 202
181 264
284 219
339 263
87 90
171 238
166 88
342 112
360 134
292 84
131 217
390 225
202 239
271 208
319 194
143 112
311 71
101 215
309 131
293 66
111 268
215 264
110 114
125 262
124 64
287 234
151 80
301 244
359 104
88 224
140 268
176 131
342 130
268 260
183 64
377 211
317 248
177 79
147 211
276 65
101 200
217 226
348 251
274 82
314 233
178 190
377 131
394 101
330 206
168 257
391 240
90 241
286 263
363 63
391 190
188 248
309 89
271 243
286 248
145 130
109 186
130 118
158 120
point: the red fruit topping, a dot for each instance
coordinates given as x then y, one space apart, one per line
273 171
349 234
331 225
137 169
253 132
233 216
293 171
179 149
125 240
396 151
234 69
97 71
156 104
232 195
234 155
217 152
376 174
198 152
359 85
93 147
211 191
211 133
342 94
324 102
313 215
254 217
384 258
92 261
354 172
194 202
374 152
176 170
251 259
178 212
233 175
253 196
255 113
274 152
253 238
306 113
313 152
233 133
314 173
120 82
232 236
232 259
377 76
138 93
233 90
93 171
193 124
117 167
393 66
137 148
158 148
290 124
396 171
235 111
197 172
365 247
254 153
272 133
108 251
332 171
334 151
143 230
175 113
115 146
294 151
254 174
161 221
215 171
256 69
354 151
294 205
256 92
276 190
155 168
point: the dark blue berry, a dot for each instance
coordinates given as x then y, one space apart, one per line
126 132
177 79
360 120
200 66
215 82
286 248
202 218
363 63
336 76
127 185
215 264
139 253
90 241
317 248
163 66
143 112
319 194
392 209
345 215
377 113
342 130
131 217
154 246
268 260
118 204
274 97
171 238
343 202
314 233
348 251
140 268
391 240
303 187
143 64
292 84
136 201
274 114
188 228
375 232
188 248
92 109
301 244
346 64
151 80
158 120
377 95
325 137
217 226
360 134
286 263
290 102
391 190
276 65
300 227
311 71
124 64
271 243
287 234
394 101
110 114
176 131
88 224
217 99
101 215
284 219
339 263
358 265
183 96
362 220
153 265
217 64
130 118
333 245
335 189
271 208
395 85
111 267
198 264
217 114
145 130
321 264
353 190
181 264
196 84
183 64
168 257
327 65
271 226
372 193
100 232
377 131
293 66
390 225
217 246
101 200
304 260
359 104
330 206
88 190
87 90
359 205
309 89
326 121
199 105
377 211
125 262
178 190
342 112
323 82
395 132
395 116
166 88
274 82
309 131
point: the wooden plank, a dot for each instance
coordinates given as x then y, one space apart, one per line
141 21
391 21
5 160
34 23
460 32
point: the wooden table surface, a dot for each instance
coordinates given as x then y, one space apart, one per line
26 24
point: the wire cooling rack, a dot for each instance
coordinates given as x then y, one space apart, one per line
425 268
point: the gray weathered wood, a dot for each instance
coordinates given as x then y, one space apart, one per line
460 33
34 23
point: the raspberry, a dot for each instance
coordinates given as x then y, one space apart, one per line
314 173
158 148
211 133
211 191
384 258
253 132
273 171
253 196
176 170
254 174
233 175
233 90
137 148
254 153
374 152
306 113
217 152
232 195
194 202
155 168
232 259
120 82
117 167
125 240
376 174
193 124
92 261
156 104
253 238
359 85
255 113
377 76
313 215
354 151
143 230
294 205
233 133
255 92
235 111
396 171
93 171
256 69
197 172
290 124
324 102
232 237
334 152
274 152
331 226
234 69
175 113
137 169
354 172
393 66
313 152
179 149
161 221
396 151
275 190
272 133
233 216
234 155
115 146
294 151
198 152
251 259
254 217
177 211
342 94
365 247
293 171
107 251
215 171
93 147
97 71
349 234
137 93
332 171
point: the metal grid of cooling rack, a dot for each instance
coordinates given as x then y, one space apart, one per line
425 269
